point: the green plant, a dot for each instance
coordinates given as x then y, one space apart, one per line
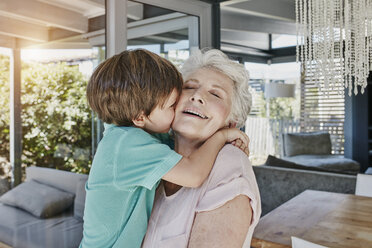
4 106
55 117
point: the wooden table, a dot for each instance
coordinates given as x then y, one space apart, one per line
2 245
325 218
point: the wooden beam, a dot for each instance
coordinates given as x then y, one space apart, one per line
245 50
246 57
249 39
284 51
239 21
116 27
57 34
135 11
15 117
193 33
157 25
6 41
277 10
72 42
57 45
98 2
149 27
41 13
197 8
23 30
216 24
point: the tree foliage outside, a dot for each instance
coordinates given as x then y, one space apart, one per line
4 106
280 108
56 120
287 108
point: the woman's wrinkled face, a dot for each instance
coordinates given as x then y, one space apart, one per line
204 105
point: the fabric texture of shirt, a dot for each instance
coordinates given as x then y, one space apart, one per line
173 216
126 170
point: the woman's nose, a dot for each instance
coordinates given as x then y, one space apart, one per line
197 97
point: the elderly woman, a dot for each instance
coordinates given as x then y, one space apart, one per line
224 211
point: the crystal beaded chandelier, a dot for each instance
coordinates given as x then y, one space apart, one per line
337 41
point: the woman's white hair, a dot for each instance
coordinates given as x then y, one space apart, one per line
216 60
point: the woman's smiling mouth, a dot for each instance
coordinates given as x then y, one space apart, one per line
194 113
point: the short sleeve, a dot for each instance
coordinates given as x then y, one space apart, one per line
142 160
232 175
165 138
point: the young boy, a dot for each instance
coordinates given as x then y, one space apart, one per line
135 93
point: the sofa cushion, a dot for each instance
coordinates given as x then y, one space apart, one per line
332 163
11 219
314 163
56 232
306 143
79 202
41 200
277 162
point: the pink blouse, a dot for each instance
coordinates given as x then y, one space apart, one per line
172 217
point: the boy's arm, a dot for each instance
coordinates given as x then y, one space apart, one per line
193 170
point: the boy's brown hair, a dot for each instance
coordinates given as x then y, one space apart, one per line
133 81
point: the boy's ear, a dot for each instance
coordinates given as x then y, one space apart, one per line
139 121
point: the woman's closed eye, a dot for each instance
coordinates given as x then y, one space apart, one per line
189 86
215 94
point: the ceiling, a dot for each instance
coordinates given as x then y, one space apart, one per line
245 24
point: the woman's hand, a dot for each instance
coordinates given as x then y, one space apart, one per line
236 138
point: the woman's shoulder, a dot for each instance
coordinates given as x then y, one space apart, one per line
232 175
232 156
230 163
231 150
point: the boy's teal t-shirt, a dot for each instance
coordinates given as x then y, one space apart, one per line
126 170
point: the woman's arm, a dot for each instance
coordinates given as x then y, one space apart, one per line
226 226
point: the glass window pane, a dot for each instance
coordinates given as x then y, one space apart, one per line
57 124
170 34
5 168
55 116
273 116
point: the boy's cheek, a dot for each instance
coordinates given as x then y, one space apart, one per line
173 119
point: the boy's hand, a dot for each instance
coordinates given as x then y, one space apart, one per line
239 143
236 138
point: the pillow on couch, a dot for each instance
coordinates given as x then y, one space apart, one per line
307 143
41 200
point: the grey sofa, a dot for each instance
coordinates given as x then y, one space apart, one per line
278 185
314 149
61 222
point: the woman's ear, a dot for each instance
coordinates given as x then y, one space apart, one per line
232 124
139 121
